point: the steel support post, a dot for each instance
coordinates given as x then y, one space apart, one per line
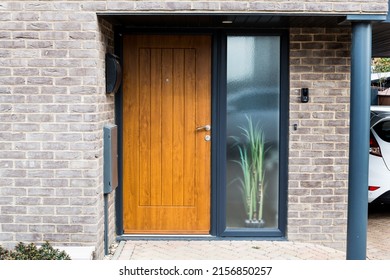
359 141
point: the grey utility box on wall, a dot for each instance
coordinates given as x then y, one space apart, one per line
110 156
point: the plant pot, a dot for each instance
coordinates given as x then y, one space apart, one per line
254 223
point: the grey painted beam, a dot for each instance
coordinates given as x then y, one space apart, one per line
366 17
359 141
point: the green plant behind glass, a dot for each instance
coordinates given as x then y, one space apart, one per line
252 167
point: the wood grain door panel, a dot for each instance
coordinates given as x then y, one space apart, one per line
166 161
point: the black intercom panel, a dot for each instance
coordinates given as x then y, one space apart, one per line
304 95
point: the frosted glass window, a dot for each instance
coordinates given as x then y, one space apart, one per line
253 122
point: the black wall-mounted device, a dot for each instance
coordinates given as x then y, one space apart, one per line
113 73
304 95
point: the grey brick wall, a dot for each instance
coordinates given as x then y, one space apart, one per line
53 107
318 162
266 6
106 110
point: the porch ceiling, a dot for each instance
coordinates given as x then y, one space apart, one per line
216 21
380 33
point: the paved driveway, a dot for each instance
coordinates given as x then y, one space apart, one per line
378 235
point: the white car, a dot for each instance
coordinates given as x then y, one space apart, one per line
379 158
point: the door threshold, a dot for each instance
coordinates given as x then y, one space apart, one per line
166 237
205 237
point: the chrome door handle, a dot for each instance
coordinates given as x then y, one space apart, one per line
206 127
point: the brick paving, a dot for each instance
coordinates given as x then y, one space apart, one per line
220 250
378 246
378 234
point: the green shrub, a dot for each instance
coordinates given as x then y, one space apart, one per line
32 252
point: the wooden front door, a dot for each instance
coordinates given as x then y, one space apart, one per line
166 159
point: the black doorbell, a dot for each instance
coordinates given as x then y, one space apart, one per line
304 95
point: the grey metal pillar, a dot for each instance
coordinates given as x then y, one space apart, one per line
359 141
